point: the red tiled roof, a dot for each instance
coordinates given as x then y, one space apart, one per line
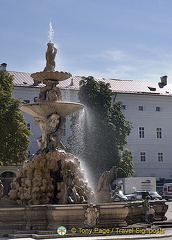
117 85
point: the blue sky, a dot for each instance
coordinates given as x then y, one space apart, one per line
123 39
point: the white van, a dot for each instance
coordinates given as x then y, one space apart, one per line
167 191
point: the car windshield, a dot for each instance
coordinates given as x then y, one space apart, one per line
153 193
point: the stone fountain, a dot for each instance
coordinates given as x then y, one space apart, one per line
52 175
51 189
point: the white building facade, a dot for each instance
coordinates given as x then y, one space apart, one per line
147 105
151 136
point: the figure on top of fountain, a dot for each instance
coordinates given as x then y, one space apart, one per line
50 57
50 92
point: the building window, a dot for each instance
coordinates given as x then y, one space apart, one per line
123 107
26 101
141 132
140 108
158 109
159 133
160 157
142 156
28 126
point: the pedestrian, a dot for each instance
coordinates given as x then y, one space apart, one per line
151 215
146 207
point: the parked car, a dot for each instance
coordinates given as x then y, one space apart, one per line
141 195
119 196
155 195
137 195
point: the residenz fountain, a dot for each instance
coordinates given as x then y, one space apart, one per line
50 190
52 175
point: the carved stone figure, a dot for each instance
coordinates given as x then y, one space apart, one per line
56 135
42 141
52 122
50 57
49 93
43 93
91 215
71 193
103 191
52 131
54 93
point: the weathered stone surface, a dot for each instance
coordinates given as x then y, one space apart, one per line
54 177
50 217
135 212
103 191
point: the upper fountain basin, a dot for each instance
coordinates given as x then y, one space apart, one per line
52 75
44 109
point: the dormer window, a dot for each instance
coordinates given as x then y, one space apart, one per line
152 88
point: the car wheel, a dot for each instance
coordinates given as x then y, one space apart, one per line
132 198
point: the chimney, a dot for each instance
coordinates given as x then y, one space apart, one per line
35 82
3 67
163 80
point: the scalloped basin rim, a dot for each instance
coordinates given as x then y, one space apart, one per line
53 75
45 109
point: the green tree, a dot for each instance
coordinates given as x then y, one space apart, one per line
14 133
105 129
126 163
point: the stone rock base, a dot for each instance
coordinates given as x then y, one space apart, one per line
51 178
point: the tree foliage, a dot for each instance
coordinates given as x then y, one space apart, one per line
105 130
14 133
126 163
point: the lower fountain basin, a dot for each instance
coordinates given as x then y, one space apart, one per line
44 109
50 217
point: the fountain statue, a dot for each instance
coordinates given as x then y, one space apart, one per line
51 175
50 57
104 191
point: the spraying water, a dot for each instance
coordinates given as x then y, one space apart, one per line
50 32
76 144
